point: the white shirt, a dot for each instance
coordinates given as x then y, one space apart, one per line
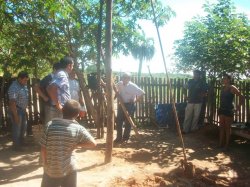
129 92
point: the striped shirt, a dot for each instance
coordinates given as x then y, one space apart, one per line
59 138
18 93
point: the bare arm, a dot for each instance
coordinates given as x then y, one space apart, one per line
38 90
13 109
52 91
43 155
139 98
89 144
236 91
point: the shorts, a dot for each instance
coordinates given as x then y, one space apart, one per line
226 112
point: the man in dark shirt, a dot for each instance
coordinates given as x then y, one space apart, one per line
42 92
197 90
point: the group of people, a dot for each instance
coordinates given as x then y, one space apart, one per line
62 133
62 101
197 91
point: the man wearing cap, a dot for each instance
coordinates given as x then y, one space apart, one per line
130 93
18 102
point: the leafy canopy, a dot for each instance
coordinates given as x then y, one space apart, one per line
216 43
43 31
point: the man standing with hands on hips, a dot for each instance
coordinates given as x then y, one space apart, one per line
129 93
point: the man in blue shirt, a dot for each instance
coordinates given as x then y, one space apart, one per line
18 102
58 90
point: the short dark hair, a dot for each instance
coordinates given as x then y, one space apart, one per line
197 71
23 75
71 109
66 61
230 77
57 66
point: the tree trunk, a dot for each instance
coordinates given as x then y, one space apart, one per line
139 70
109 83
100 125
86 95
1 102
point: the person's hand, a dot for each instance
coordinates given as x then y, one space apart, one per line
82 112
59 106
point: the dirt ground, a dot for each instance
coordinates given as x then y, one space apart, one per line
153 159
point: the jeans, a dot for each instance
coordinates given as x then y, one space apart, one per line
18 130
122 118
192 115
67 181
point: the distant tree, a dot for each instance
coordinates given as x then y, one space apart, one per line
143 50
217 42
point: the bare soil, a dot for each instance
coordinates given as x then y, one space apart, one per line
153 159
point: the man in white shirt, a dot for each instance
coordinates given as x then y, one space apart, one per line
130 93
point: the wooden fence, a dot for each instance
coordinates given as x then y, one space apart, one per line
157 92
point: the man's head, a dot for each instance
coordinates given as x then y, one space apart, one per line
71 109
67 63
227 79
57 66
126 78
196 74
23 77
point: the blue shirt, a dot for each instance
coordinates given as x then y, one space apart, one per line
61 80
19 93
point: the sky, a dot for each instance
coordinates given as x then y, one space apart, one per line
185 10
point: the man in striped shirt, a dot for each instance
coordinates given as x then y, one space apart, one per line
60 138
18 102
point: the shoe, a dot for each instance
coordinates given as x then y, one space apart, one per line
125 140
117 141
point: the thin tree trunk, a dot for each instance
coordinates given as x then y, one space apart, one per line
1 102
109 85
86 94
139 70
100 124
